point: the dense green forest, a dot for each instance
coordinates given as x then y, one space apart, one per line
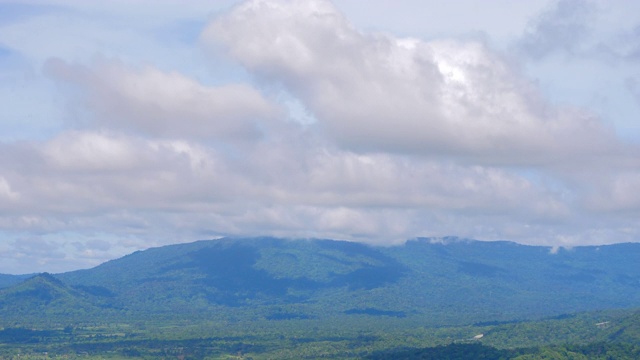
448 282
613 334
269 298
594 351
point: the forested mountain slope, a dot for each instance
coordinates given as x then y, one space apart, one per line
428 281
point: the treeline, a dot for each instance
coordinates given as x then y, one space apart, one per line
477 351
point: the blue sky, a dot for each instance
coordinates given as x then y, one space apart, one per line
127 125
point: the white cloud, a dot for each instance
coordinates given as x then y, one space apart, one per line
615 193
97 181
580 53
164 104
375 92
77 151
6 193
405 136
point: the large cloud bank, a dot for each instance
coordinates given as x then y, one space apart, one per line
388 138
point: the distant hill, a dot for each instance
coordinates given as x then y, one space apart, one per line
7 280
426 281
43 296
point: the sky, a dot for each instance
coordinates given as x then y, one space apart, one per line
134 124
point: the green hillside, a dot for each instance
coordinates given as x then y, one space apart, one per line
47 299
266 298
448 282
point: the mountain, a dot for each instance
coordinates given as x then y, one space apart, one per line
7 280
44 296
431 282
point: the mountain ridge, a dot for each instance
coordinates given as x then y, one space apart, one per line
455 281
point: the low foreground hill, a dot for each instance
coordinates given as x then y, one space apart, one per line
428 281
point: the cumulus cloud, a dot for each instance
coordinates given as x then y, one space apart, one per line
376 92
164 104
92 172
614 193
406 137
162 191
